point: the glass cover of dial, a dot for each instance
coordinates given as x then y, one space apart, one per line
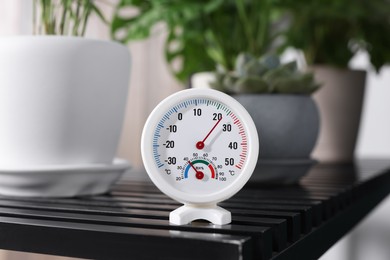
200 146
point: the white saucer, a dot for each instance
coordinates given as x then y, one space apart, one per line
61 181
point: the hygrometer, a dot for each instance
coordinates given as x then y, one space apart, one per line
199 147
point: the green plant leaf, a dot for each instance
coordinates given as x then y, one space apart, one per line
324 30
265 75
242 60
229 83
271 61
210 26
99 13
253 68
251 84
63 17
291 66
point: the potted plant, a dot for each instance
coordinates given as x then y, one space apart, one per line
278 97
203 35
329 34
62 105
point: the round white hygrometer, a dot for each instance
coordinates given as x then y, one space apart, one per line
199 147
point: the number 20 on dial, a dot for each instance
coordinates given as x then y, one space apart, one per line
199 146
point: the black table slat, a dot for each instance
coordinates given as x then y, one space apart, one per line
256 203
260 235
279 228
296 221
110 242
293 219
331 201
320 208
306 212
163 200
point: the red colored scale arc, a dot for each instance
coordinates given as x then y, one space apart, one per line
212 171
241 129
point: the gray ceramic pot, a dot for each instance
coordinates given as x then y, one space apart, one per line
288 125
340 102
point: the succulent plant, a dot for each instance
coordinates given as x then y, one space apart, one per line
264 75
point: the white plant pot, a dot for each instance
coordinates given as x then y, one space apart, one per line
202 79
340 101
62 100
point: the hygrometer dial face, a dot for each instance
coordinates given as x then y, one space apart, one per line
199 146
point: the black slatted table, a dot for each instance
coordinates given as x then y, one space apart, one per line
131 222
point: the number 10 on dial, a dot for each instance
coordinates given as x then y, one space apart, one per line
199 146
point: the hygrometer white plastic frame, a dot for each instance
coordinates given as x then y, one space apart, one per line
173 180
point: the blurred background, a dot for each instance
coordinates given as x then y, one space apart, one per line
151 80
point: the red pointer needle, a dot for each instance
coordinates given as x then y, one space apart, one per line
199 175
200 144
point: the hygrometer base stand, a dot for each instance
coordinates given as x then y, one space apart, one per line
188 213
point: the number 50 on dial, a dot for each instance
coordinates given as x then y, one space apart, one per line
199 146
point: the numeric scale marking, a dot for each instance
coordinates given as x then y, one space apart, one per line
185 104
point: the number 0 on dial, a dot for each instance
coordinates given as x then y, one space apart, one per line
199 146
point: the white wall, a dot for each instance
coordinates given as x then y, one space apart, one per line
374 136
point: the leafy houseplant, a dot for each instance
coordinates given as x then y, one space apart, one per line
330 33
206 34
67 95
201 33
